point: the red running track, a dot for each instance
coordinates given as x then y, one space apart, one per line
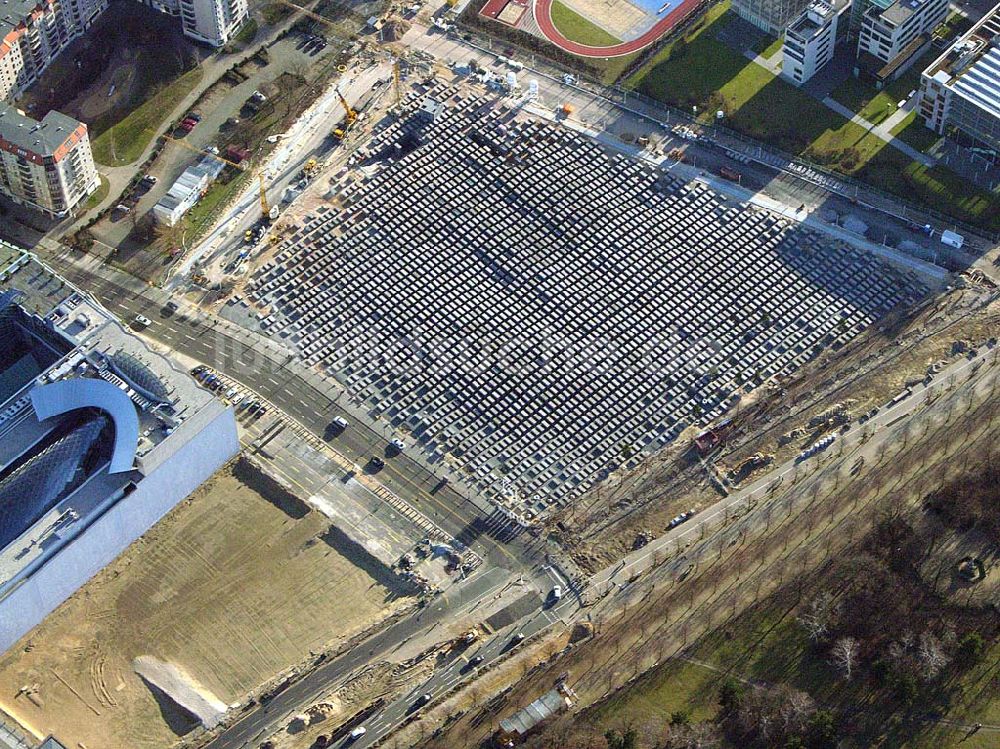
543 15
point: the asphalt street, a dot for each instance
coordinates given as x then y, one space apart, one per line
258 723
447 677
276 377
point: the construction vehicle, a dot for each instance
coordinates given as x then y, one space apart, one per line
350 117
310 169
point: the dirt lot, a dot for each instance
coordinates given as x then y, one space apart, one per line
130 53
619 17
236 584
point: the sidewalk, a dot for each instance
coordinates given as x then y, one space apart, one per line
882 131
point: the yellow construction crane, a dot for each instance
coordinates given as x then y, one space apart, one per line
314 16
264 208
350 117
349 114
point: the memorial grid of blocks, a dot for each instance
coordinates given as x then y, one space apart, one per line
535 312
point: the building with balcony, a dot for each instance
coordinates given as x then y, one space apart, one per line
213 22
893 37
960 91
811 39
45 165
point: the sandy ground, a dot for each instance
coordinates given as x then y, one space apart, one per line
232 587
617 17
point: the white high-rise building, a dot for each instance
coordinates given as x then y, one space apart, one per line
45 165
811 39
214 22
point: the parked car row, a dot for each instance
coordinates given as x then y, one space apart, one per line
229 391
674 522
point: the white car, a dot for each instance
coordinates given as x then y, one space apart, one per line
398 444
341 422
143 321
557 593
358 732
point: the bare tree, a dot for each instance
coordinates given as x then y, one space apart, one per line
931 656
845 656
693 736
817 617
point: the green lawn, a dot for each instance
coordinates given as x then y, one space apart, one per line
216 196
98 195
874 105
124 142
578 29
700 71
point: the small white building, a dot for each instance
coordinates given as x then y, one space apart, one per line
811 39
187 190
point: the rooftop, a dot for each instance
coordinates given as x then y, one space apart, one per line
86 409
816 17
971 65
43 138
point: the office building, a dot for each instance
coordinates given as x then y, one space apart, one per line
960 91
771 16
45 165
892 38
811 39
99 438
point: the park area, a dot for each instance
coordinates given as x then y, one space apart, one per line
700 70
239 582
121 78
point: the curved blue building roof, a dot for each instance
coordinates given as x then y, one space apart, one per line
57 398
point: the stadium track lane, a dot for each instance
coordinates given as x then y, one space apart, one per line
543 16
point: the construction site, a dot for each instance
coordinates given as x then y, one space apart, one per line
537 312
528 403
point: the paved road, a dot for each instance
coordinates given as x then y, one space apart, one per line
712 518
313 401
262 721
456 671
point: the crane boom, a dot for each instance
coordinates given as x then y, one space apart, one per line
349 114
264 210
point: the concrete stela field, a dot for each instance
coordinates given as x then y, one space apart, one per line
235 585
537 311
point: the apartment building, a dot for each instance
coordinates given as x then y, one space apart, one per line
33 32
771 16
45 165
811 39
213 22
887 32
960 91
